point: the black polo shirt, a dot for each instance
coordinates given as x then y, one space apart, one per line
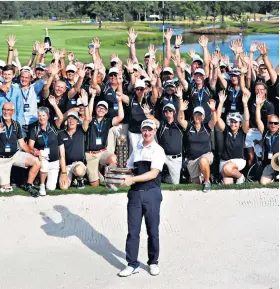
9 138
74 145
233 102
46 138
165 99
62 104
198 143
271 145
201 98
233 144
170 137
273 94
136 113
266 109
97 134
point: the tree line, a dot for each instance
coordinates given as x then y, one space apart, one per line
136 10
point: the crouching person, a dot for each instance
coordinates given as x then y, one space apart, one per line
232 160
43 137
10 137
97 134
72 150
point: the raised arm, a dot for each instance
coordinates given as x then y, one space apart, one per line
41 54
11 44
91 102
181 113
168 55
62 55
178 43
117 119
222 99
155 94
97 44
245 99
15 54
272 73
131 45
214 75
259 102
76 88
203 41
213 120
84 100
53 69
180 75
58 112
34 53
242 81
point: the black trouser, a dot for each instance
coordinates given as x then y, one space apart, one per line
143 203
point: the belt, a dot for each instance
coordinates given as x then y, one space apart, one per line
6 157
96 152
175 156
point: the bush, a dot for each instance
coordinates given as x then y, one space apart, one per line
244 22
128 19
202 24
223 25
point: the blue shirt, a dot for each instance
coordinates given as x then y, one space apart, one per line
14 96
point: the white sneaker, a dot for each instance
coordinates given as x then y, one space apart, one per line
101 177
241 180
154 269
128 270
42 190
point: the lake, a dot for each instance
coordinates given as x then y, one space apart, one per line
190 40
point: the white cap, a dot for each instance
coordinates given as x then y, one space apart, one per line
139 83
113 70
74 114
199 109
2 63
14 63
197 58
136 66
235 116
169 105
148 123
168 69
71 67
235 71
255 63
147 54
261 63
90 65
102 103
200 70
41 66
27 69
115 59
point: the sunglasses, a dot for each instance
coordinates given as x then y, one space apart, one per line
113 74
274 122
233 121
168 110
139 89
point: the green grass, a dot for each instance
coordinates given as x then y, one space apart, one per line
184 187
260 27
76 37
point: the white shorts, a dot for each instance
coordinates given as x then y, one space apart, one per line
253 134
52 169
240 163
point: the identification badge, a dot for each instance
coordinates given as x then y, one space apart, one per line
270 155
233 106
223 109
7 148
116 107
26 107
38 99
73 101
46 151
98 141
55 117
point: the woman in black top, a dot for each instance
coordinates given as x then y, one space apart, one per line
232 160
43 137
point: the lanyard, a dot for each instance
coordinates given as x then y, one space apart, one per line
45 136
234 95
200 95
272 141
114 94
5 95
27 94
99 126
8 132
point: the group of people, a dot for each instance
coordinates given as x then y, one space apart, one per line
63 119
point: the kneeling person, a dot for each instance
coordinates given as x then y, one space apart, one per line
97 134
72 152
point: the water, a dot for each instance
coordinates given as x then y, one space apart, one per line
190 40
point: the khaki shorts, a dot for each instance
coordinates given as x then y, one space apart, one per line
193 165
18 160
70 170
93 162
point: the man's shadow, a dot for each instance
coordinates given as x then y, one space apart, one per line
74 225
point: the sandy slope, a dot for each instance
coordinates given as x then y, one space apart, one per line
221 240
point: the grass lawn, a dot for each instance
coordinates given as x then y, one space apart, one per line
76 37
101 190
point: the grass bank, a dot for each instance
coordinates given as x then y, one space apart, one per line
184 187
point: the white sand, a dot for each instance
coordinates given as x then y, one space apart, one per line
220 240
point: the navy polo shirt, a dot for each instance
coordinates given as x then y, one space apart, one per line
74 145
233 144
198 142
97 134
271 145
170 137
9 137
165 99
266 109
233 102
39 136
